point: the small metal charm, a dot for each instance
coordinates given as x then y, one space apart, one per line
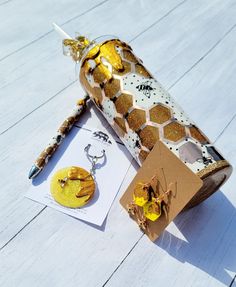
93 158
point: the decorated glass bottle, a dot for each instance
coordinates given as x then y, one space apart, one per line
141 111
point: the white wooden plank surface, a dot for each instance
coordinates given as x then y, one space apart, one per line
43 59
22 23
37 90
193 43
207 231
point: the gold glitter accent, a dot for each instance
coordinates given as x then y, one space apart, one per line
125 70
44 154
197 134
108 52
112 87
142 71
159 114
142 155
81 102
212 168
140 194
98 74
123 103
174 131
97 96
85 82
64 128
121 123
149 136
129 56
213 178
136 119
71 120
76 46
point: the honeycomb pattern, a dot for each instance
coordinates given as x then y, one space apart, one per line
98 76
138 108
159 114
111 87
174 131
98 96
143 155
136 119
149 136
130 56
123 103
139 68
121 124
196 134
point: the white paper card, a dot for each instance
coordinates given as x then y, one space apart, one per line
109 175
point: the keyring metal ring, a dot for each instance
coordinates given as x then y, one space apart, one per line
87 148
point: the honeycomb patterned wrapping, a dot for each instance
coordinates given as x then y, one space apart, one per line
140 110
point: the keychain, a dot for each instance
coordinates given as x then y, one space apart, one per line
74 186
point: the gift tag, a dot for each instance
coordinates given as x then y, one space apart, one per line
160 190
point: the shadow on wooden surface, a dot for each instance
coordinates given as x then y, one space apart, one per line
204 229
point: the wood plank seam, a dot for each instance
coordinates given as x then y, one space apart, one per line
133 247
5 2
204 56
232 282
220 239
152 25
225 128
44 208
28 223
41 105
118 270
141 236
159 20
141 33
156 22
136 243
52 30
220 134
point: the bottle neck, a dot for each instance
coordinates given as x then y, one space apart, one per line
75 47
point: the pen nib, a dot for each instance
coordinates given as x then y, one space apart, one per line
34 171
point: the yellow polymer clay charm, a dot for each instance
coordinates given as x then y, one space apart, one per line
152 209
141 194
72 187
